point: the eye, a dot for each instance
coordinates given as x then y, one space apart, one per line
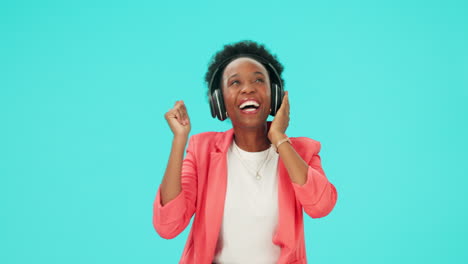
259 79
233 82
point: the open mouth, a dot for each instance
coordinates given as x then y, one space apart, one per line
249 107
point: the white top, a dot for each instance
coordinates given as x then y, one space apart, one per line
250 210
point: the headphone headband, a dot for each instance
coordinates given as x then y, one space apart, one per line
214 85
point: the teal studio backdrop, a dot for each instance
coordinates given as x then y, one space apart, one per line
383 85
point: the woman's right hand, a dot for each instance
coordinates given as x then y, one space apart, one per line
178 120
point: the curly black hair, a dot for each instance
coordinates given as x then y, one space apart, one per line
242 47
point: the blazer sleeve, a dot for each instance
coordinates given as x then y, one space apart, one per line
172 218
317 196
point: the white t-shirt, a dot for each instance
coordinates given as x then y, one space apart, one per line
251 208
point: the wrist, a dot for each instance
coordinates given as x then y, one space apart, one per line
180 139
281 142
276 137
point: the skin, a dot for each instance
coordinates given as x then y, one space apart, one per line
247 78
242 78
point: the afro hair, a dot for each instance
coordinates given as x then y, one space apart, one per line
241 47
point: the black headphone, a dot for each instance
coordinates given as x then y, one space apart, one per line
215 91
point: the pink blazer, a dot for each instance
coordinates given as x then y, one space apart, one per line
204 173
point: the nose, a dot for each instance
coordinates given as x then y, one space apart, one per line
248 88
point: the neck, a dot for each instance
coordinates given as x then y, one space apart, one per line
252 140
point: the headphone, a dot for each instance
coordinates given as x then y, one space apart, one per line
215 94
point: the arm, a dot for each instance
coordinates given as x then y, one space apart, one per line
173 216
171 184
175 200
313 190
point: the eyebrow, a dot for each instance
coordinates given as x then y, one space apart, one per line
257 72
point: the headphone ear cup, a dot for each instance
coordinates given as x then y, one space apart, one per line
277 95
218 102
212 105
273 99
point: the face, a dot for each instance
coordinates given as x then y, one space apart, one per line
246 92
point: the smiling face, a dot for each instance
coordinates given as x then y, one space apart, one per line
246 92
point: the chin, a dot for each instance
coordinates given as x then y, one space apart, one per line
249 122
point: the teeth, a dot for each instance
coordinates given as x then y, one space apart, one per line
248 103
250 110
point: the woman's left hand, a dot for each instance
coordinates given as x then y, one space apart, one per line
280 122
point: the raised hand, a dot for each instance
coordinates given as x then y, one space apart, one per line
280 122
178 120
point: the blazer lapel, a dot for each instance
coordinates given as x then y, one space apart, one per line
216 189
285 233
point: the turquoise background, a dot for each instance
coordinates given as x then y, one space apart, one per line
84 86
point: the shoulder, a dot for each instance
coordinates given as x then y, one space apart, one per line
305 146
206 137
206 141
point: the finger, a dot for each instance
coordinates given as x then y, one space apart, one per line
177 106
285 99
173 114
183 116
186 116
170 114
181 110
179 117
284 107
182 106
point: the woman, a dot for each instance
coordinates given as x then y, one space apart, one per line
247 186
